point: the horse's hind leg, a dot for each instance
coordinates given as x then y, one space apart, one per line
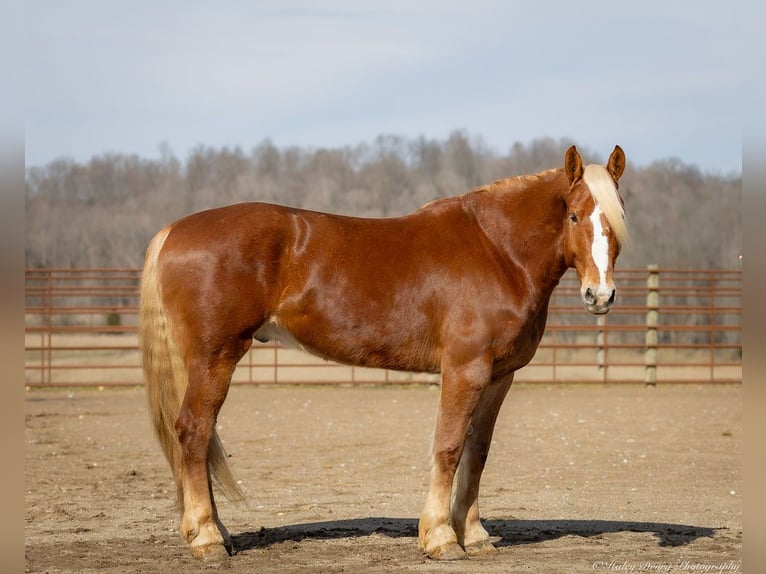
465 520
209 380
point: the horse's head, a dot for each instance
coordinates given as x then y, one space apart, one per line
595 226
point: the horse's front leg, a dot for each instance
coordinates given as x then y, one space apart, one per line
462 387
471 535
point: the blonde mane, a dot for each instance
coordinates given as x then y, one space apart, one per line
520 181
596 177
604 191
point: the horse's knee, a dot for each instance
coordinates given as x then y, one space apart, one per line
447 457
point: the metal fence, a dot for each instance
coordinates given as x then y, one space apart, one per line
668 326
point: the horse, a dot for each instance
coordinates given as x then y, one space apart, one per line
460 287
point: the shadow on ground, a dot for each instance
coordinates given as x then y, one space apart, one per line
504 532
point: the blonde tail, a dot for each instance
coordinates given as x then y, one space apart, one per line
167 379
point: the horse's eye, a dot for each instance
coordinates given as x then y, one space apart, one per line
573 217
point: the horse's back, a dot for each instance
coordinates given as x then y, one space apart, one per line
378 292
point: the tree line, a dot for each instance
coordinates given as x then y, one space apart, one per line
103 212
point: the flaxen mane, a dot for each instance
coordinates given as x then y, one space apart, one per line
604 191
599 182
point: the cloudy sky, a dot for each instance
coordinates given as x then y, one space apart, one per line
662 79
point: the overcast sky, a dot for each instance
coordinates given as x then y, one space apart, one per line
661 78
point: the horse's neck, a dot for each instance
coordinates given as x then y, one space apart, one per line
526 227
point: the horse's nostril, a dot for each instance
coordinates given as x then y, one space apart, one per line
612 296
590 297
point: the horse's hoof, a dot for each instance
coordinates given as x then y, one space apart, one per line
210 552
481 547
451 551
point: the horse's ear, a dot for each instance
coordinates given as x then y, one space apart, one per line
573 164
616 163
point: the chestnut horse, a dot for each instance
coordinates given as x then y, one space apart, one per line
459 287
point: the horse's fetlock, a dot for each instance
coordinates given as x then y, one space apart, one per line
189 533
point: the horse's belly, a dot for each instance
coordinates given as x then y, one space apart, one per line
352 349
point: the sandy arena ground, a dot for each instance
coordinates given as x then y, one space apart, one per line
579 479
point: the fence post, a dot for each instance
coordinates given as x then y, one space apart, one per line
712 336
652 322
47 354
601 346
276 361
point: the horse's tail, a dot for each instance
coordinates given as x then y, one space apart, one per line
166 376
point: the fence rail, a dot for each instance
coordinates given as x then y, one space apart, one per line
668 326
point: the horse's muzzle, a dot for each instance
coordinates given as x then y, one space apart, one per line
598 301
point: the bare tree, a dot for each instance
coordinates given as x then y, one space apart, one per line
103 212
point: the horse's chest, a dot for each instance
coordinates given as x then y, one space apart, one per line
516 344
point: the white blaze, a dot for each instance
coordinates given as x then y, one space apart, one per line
600 248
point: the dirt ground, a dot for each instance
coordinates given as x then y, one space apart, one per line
579 479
